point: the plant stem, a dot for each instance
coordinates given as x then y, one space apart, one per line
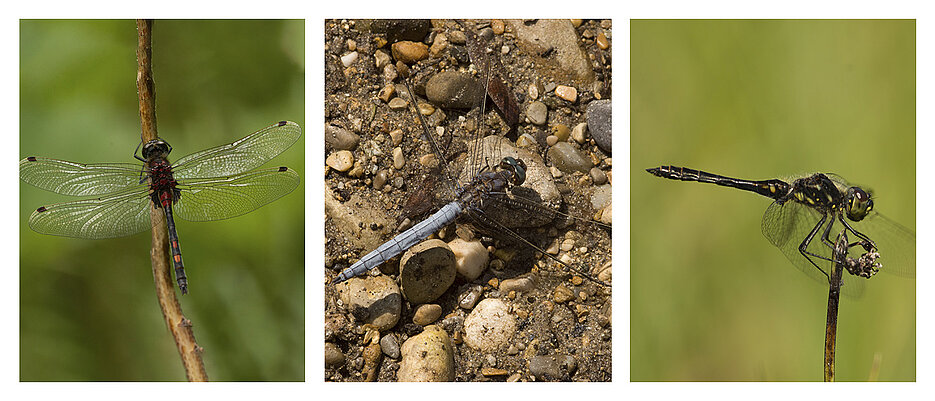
179 326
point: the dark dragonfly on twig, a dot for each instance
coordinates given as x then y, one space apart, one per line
806 211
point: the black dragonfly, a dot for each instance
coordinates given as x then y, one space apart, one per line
213 184
806 211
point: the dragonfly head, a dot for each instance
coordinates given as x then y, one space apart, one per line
858 203
517 167
156 148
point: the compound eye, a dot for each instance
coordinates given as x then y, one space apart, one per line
858 202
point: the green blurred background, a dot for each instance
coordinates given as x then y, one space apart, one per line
88 307
711 299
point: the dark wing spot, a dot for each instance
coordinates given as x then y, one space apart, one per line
282 169
41 209
281 123
31 158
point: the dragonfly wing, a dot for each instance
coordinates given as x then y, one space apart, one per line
117 215
222 198
241 156
76 179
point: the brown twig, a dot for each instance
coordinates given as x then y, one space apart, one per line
179 326
834 293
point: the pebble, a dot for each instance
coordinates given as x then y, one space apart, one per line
505 50
409 52
381 59
457 37
399 161
379 179
427 357
351 45
497 26
349 59
568 244
553 248
337 138
561 132
426 109
562 294
525 140
426 314
469 297
389 73
493 372
397 136
429 160
471 257
552 367
602 41
454 90
426 271
489 326
568 159
598 176
578 133
334 357
341 160
537 113
390 345
601 197
439 45
387 93
534 90
607 215
551 140
373 355
568 93
520 284
375 299
599 123
556 173
398 103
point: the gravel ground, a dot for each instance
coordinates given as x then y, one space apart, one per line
563 320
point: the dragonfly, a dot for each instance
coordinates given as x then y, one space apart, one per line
804 213
490 186
214 184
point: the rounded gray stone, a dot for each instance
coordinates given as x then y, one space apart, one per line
599 123
454 90
537 113
426 271
568 159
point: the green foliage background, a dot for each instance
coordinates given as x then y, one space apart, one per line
88 308
710 298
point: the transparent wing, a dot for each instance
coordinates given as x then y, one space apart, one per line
786 225
76 179
226 197
117 215
240 156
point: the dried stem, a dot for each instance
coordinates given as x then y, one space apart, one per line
179 326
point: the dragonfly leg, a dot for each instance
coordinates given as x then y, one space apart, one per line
803 247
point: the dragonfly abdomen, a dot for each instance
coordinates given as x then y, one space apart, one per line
403 241
774 189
